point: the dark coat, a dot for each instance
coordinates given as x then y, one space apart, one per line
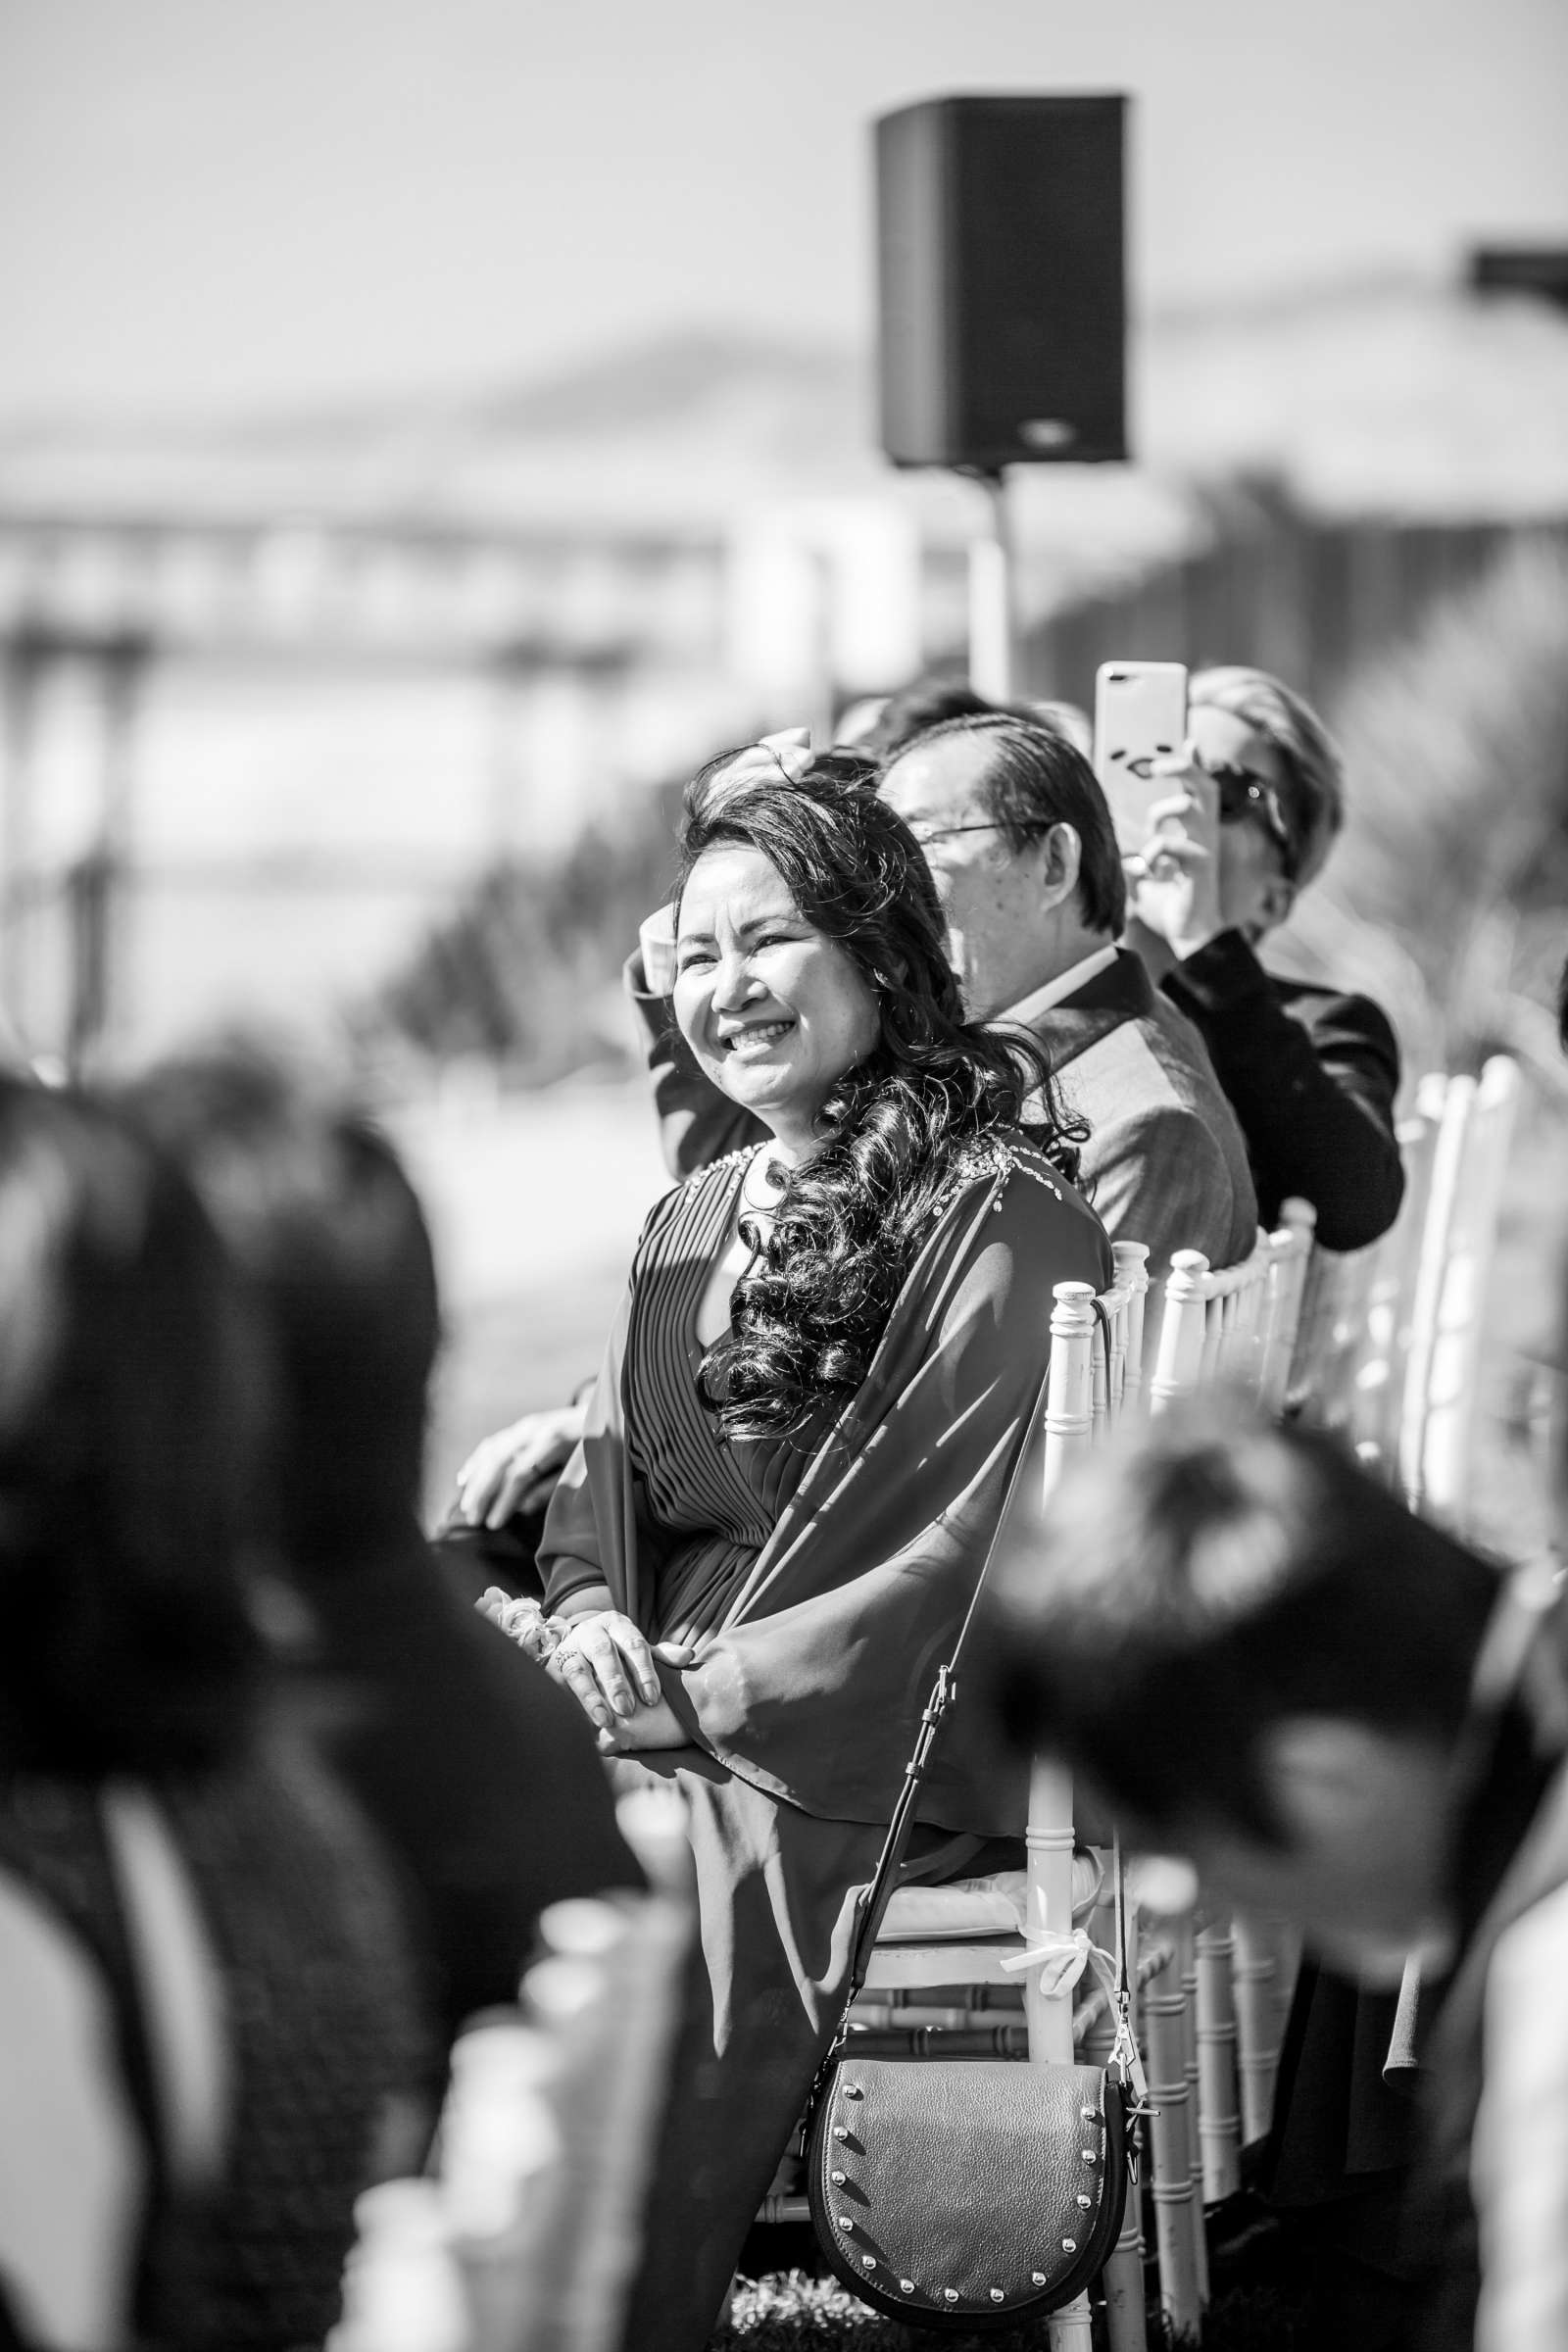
1313 1076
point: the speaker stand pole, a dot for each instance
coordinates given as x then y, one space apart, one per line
993 653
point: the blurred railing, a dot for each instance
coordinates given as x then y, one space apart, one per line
589 665
1307 599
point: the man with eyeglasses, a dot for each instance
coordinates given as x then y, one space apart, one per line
1021 842
1313 1072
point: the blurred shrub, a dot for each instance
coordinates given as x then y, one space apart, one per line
525 972
1447 891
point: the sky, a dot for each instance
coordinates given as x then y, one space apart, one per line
220 206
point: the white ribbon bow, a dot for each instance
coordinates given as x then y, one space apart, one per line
1062 1960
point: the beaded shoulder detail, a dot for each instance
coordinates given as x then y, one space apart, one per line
706 1174
1029 1160
690 1188
1001 1155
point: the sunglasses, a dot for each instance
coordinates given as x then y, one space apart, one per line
1242 794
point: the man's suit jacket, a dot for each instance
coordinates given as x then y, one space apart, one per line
1165 1162
1312 1075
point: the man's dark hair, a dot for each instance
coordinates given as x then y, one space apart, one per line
315 1206
1036 778
1189 1587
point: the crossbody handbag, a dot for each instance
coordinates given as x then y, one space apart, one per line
964 2194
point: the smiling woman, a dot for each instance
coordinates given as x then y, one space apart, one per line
795 1454
773 1011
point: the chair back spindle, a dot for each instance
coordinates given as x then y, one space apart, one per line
1458 1243
1179 1359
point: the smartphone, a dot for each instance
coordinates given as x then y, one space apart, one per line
1140 716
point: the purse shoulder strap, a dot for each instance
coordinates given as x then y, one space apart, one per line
944 1691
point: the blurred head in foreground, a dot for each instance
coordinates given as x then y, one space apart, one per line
313 1201
129 1401
1254 1657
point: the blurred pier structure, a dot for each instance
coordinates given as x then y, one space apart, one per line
275 698
200 710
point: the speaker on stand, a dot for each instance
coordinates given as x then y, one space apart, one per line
1001 295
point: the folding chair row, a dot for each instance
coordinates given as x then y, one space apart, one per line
1234 1324
1390 1344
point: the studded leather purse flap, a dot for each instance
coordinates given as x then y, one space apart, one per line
966 2194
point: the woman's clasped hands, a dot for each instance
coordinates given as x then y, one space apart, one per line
608 1664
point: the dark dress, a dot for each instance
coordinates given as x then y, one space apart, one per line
822 1578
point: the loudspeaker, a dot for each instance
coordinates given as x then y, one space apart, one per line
1002 282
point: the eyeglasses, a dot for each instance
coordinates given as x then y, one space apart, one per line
1242 794
925 834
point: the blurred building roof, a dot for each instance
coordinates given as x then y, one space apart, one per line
1393 400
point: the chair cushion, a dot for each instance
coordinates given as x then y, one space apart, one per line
989 1906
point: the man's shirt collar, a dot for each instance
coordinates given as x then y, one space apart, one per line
1066 984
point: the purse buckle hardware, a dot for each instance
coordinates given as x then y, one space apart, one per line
1125 2059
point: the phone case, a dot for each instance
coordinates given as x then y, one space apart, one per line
1140 716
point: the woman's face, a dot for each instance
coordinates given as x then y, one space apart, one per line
774 1011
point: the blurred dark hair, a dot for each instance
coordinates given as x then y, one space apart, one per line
1189 1587
1036 777
808 1316
130 1400
313 1203
913 709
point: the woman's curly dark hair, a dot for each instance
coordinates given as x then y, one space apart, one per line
809 1313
